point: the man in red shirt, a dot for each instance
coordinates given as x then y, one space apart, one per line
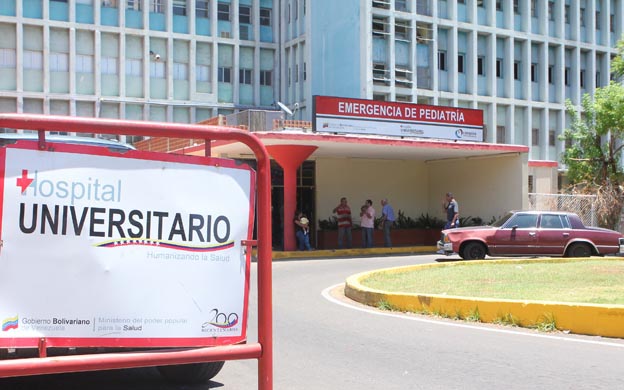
343 211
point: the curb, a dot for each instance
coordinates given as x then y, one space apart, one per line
595 320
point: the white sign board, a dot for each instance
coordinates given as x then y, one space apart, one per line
106 250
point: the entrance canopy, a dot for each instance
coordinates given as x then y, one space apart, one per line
374 147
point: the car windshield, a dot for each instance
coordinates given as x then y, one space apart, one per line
501 221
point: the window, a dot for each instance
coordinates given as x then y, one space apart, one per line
244 14
202 9
379 71
550 74
612 23
481 66
59 62
597 79
7 58
84 63
499 5
109 3
157 70
535 137
179 7
108 65
551 137
551 10
296 9
266 77
157 6
305 72
499 68
582 78
582 17
133 5
534 8
225 75
522 221
500 134
180 71
265 16
223 12
566 76
401 30
33 59
296 73
380 26
461 1
530 183
516 7
289 76
549 221
597 24
202 73
134 67
534 72
517 70
442 60
480 3
245 76
566 13
401 5
460 63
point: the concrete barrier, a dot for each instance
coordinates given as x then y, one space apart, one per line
598 320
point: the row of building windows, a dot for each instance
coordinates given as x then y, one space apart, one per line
517 66
423 6
59 62
180 7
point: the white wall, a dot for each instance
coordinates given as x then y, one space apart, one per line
484 187
404 183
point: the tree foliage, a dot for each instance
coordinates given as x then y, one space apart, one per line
593 149
617 64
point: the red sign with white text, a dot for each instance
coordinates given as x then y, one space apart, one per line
360 116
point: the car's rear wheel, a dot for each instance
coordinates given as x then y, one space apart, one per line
191 373
473 251
579 250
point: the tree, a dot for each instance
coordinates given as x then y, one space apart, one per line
594 145
617 64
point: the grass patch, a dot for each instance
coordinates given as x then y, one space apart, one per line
595 281
547 323
507 319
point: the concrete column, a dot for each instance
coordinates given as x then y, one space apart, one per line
290 157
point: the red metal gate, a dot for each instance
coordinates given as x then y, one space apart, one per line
262 350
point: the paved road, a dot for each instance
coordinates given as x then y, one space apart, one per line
323 341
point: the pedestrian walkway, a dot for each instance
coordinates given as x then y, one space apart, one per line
354 252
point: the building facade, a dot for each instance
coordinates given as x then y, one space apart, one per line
189 60
161 60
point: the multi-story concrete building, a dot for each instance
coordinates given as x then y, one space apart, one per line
162 60
188 60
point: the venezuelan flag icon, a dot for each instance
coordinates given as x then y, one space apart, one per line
10 323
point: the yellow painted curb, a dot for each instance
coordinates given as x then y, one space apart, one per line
597 320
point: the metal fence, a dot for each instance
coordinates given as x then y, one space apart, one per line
583 205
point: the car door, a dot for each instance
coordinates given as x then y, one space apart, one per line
553 234
518 236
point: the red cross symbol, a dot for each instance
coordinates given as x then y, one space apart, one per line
24 181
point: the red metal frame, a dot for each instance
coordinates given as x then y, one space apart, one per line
263 349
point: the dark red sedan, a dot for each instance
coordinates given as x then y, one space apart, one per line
532 233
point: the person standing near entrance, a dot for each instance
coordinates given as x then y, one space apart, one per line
452 211
387 221
343 211
367 213
302 231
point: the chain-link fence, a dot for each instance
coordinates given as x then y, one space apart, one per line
582 205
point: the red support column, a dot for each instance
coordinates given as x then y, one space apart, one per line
290 157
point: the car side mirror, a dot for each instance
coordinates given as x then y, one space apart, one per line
514 227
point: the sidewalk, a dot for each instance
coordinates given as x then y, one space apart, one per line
354 252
